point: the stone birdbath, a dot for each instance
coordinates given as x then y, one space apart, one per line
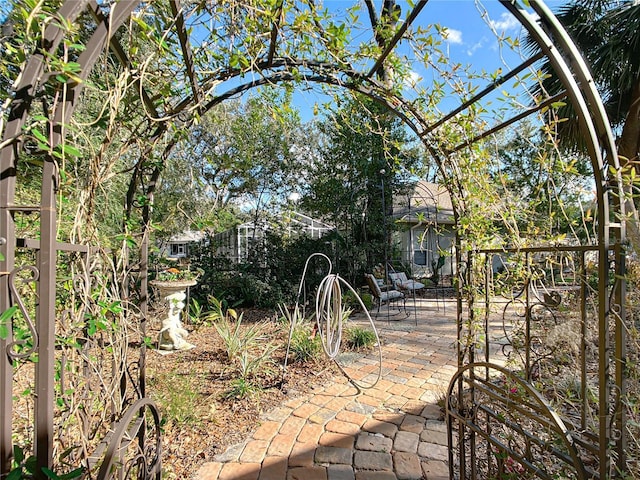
172 334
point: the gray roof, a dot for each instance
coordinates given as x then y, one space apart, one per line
426 202
187 236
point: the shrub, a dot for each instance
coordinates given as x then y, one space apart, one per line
258 362
305 345
360 338
237 340
241 388
246 353
219 310
250 365
196 315
367 299
290 316
350 300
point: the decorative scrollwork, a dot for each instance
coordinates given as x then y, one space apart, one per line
134 449
501 427
25 345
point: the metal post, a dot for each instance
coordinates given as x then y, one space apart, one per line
7 250
583 340
384 226
620 358
46 320
487 307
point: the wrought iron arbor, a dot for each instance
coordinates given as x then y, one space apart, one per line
275 47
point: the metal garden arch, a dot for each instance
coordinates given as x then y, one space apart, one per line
105 28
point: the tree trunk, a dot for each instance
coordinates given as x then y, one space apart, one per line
629 143
628 148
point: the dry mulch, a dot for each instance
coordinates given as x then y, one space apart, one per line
189 388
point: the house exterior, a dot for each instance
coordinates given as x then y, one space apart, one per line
177 247
424 217
237 242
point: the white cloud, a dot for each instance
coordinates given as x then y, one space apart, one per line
453 36
412 80
506 22
477 46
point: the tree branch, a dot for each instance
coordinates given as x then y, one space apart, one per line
373 16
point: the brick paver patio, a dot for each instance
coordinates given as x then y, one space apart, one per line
393 431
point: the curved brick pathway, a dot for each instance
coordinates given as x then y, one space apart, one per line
392 431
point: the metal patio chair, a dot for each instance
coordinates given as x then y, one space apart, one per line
382 296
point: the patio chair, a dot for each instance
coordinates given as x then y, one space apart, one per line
401 282
408 285
381 296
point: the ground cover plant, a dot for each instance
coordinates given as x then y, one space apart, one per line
360 338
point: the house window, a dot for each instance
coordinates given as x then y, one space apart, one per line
419 257
178 249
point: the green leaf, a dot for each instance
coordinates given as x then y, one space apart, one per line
15 474
70 150
4 320
78 47
31 464
115 307
39 136
18 454
50 474
71 67
91 328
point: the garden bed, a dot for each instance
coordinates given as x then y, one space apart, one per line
191 389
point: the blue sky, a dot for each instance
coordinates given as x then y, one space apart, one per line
470 38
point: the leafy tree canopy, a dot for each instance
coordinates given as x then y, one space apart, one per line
238 154
364 157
